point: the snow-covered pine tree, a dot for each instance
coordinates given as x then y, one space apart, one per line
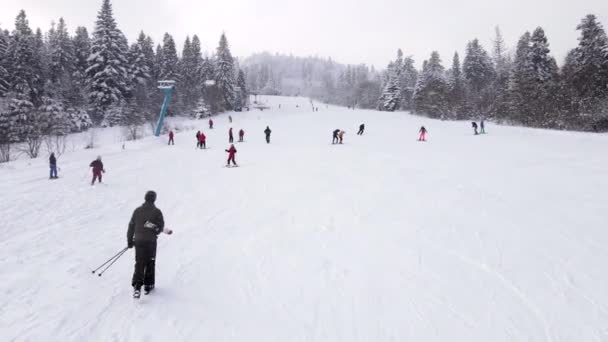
61 50
224 73
389 100
456 90
107 74
242 85
500 86
169 62
25 62
430 97
139 76
4 74
545 95
479 73
407 82
82 49
190 82
521 82
588 66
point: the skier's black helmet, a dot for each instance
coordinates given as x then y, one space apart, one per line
150 196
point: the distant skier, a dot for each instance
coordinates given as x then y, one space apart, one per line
267 132
230 118
474 125
361 129
241 135
171 142
98 169
53 166
210 124
145 225
230 136
202 141
335 136
231 156
482 127
422 136
198 139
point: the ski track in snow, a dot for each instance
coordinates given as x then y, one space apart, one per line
497 237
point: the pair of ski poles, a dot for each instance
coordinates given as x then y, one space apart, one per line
111 261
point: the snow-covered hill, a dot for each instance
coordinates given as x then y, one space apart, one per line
500 237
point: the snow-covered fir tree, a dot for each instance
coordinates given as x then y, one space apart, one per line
242 87
479 73
456 90
521 82
500 86
224 73
190 81
545 96
587 67
4 74
107 74
391 94
169 62
25 62
407 81
430 97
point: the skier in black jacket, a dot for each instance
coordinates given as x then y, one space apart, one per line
361 129
53 166
145 225
267 131
474 125
335 138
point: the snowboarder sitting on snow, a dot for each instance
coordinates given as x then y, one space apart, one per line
241 135
145 225
341 136
267 131
210 124
171 142
230 136
335 136
53 166
422 136
482 127
474 125
97 166
361 129
231 154
202 140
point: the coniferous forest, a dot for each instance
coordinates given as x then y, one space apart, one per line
60 81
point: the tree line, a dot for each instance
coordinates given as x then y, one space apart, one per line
55 83
526 88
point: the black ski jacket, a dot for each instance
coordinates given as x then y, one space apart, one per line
146 223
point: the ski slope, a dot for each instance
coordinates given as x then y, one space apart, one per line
500 237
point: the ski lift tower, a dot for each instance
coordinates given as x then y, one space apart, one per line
167 88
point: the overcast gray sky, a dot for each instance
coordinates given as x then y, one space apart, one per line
350 31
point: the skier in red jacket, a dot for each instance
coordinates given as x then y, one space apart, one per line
202 140
241 135
231 155
210 124
171 142
230 136
97 166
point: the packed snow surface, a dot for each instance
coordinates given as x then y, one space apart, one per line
496 237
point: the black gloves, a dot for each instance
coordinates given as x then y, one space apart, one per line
130 244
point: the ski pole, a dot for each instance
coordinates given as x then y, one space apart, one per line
113 261
112 258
